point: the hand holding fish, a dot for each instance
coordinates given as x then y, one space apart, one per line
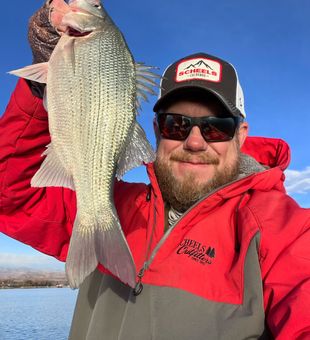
42 35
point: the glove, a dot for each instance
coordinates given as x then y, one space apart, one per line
42 35
42 38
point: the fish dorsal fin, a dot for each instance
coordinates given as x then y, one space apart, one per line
137 152
145 82
52 173
36 72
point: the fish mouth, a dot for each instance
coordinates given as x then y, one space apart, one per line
72 32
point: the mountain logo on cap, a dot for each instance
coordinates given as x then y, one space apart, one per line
200 63
199 69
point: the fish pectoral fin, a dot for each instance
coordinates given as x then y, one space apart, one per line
36 72
138 151
52 173
104 243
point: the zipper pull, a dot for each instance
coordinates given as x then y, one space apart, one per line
139 286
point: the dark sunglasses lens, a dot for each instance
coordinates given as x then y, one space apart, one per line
216 129
174 126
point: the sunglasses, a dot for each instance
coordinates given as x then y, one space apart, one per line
213 129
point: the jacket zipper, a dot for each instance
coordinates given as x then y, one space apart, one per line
139 286
149 259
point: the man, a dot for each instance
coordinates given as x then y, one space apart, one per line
220 249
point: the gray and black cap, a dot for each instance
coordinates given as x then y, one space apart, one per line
204 72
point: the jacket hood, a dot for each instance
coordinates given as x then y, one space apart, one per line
269 152
263 161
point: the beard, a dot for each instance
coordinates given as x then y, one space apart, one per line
183 193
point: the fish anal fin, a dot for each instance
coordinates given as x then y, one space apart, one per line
35 72
137 152
52 173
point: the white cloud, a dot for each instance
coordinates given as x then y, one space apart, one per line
298 182
40 261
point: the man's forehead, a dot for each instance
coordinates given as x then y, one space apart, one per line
189 103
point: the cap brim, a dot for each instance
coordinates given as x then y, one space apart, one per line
161 101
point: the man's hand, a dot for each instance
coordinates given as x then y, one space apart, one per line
42 34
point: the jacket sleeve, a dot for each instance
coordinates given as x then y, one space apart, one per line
285 264
39 217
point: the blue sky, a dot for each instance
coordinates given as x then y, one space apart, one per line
267 41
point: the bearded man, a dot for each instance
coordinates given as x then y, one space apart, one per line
220 249
187 169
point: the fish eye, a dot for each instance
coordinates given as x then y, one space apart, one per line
97 5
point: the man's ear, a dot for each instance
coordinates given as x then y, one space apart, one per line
243 133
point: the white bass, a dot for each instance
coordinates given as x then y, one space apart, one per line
92 97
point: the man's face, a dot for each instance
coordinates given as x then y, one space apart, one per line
187 170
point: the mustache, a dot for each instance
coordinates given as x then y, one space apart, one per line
194 158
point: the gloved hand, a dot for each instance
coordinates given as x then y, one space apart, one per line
43 37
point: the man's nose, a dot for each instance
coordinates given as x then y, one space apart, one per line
195 141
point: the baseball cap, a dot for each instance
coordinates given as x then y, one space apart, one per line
204 72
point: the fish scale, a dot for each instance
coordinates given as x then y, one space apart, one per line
93 86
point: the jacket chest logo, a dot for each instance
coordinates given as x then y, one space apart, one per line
196 251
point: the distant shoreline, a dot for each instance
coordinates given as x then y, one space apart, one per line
11 284
26 278
32 287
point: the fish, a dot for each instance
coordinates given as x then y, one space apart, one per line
94 90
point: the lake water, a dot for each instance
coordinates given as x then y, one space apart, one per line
36 314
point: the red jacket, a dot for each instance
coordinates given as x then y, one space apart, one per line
212 241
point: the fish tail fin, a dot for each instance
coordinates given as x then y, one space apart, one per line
114 254
81 260
106 245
